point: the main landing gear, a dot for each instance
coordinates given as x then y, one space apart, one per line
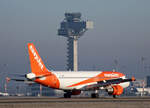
67 95
94 95
114 96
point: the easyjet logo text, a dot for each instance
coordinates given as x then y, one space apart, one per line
111 75
36 57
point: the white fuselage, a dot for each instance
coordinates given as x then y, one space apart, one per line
67 78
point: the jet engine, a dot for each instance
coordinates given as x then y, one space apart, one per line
115 90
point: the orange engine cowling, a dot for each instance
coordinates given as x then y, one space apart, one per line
115 90
75 92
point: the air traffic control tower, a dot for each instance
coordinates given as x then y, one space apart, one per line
72 27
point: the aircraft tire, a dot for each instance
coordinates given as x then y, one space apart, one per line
114 96
67 95
94 95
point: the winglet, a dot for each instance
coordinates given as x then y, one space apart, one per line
133 79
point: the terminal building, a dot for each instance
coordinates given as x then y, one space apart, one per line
39 90
148 81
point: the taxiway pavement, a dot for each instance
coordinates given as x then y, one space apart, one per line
48 102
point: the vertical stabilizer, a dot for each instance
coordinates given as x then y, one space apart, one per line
37 65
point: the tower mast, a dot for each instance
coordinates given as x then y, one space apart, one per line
72 27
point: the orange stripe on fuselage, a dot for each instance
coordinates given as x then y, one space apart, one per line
100 77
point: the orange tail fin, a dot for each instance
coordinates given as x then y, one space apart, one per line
37 65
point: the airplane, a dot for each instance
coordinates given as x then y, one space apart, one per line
73 82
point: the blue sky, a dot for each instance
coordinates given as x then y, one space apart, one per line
121 31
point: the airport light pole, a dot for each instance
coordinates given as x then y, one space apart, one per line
143 63
116 65
40 90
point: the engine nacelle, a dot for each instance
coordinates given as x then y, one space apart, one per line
115 90
31 76
76 92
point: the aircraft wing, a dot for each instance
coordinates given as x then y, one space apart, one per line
105 83
22 80
18 80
